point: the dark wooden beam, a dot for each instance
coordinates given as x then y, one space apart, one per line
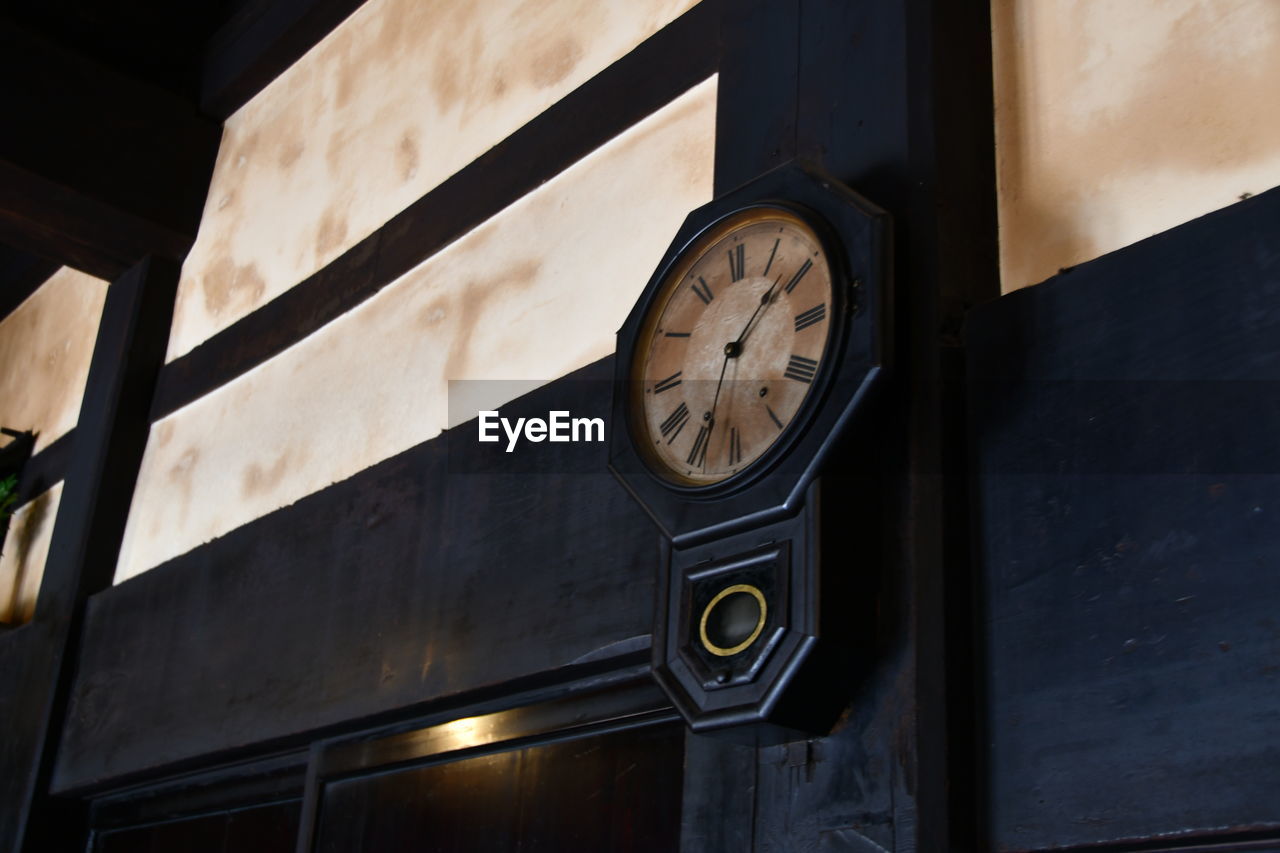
110 436
97 170
260 41
46 468
892 98
673 60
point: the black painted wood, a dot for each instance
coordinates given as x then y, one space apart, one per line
756 95
440 571
619 791
111 434
718 813
260 41
894 99
270 779
1124 422
667 64
44 469
96 170
262 829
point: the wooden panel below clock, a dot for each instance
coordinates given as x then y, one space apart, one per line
619 792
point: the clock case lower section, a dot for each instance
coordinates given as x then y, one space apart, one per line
820 630
856 235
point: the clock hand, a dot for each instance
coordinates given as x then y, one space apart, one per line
733 350
764 301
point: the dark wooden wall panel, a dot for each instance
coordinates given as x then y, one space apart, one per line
262 829
1124 419
617 792
423 577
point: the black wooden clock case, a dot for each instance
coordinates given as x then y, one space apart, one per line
763 527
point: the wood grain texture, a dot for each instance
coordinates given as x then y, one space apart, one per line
1125 416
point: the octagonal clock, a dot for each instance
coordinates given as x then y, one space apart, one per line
759 338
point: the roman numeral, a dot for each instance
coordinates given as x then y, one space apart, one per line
795 279
737 262
674 423
773 252
667 384
698 455
773 416
801 369
735 447
704 292
816 314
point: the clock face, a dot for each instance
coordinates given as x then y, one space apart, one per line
732 346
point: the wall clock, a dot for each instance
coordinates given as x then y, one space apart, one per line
757 342
733 346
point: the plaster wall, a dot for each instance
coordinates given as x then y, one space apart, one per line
537 291
1119 119
397 98
26 546
46 344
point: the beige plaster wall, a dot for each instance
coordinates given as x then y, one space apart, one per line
25 549
1119 119
535 292
397 98
46 344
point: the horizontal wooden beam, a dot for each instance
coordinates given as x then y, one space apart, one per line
439 573
97 170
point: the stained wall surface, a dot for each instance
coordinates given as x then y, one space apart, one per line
22 560
1118 119
401 95
45 347
535 292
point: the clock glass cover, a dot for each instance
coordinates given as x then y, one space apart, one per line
732 346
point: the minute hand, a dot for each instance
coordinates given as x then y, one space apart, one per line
734 349
764 301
